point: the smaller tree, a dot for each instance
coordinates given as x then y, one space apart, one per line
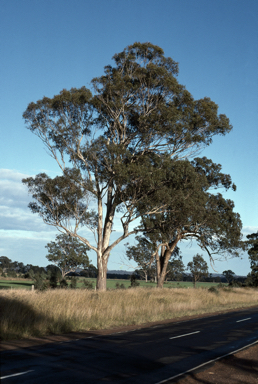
91 271
229 275
68 254
141 254
198 268
5 262
175 269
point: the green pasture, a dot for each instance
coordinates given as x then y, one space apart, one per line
111 283
16 284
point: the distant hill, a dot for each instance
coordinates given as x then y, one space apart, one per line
119 272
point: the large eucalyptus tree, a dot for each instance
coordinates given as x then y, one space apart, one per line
114 146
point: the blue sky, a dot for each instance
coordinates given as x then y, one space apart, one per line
54 44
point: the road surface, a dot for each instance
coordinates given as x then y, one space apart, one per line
158 354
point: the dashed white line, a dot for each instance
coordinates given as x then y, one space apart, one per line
186 334
16 374
248 318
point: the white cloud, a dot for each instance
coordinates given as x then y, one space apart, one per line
248 230
11 175
14 199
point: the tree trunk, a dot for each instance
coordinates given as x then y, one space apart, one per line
102 274
194 282
163 262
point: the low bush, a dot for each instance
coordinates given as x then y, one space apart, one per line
88 284
73 284
120 286
213 289
63 283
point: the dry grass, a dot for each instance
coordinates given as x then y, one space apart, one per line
28 313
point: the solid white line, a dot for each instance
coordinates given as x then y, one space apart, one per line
16 374
207 362
187 334
248 318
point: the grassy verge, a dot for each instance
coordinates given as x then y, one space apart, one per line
27 313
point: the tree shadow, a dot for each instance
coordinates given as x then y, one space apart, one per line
20 320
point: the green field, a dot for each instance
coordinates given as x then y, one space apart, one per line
111 283
15 284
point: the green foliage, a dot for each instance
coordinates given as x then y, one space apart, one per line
229 275
120 286
141 253
53 281
5 262
64 284
11 273
88 284
235 283
73 283
198 268
68 253
213 289
252 244
175 269
134 282
39 282
138 164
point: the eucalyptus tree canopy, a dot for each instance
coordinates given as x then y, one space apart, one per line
113 144
68 254
194 212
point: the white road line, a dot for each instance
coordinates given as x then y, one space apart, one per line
16 374
187 334
207 362
248 318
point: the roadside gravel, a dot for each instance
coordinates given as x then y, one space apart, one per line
240 368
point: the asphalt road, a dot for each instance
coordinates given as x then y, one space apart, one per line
148 355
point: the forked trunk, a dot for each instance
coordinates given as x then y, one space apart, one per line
162 263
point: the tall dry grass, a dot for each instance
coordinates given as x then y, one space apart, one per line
27 313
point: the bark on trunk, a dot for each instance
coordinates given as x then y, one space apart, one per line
162 266
102 274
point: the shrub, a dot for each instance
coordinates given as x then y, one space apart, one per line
235 284
11 274
134 282
73 284
39 283
53 281
88 284
213 289
120 286
63 283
